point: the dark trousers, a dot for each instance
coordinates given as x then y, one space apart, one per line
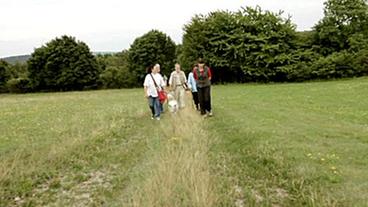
195 99
204 96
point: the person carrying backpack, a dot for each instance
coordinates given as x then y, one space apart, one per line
202 75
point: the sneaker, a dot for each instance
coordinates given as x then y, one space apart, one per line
158 118
152 117
210 113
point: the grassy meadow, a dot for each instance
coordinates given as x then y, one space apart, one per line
303 144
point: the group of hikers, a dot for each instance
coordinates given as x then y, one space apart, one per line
198 82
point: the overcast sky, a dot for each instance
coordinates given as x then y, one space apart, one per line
112 25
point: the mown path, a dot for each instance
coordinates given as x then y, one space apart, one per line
178 173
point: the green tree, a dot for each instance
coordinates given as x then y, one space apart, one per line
18 81
3 75
63 64
153 47
249 44
304 39
18 70
345 23
116 73
195 41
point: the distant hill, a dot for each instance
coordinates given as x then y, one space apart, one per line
103 53
15 59
24 58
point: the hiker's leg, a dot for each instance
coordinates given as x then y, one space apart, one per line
176 94
201 100
181 97
161 107
195 99
208 99
151 105
157 107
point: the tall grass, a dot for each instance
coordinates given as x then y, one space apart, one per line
179 174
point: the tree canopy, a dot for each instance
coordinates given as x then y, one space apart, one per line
63 64
248 45
344 26
153 47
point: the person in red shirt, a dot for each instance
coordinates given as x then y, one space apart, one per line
202 75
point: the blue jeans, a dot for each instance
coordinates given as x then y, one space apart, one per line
162 107
154 105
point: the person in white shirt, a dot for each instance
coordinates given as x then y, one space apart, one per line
150 90
178 81
164 85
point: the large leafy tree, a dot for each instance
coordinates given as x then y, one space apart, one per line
250 43
63 64
344 25
153 47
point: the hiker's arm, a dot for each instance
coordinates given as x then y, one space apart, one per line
185 78
189 81
209 74
195 74
145 86
145 92
170 79
163 83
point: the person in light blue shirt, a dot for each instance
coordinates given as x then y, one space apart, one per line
192 85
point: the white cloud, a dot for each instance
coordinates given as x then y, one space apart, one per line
112 25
